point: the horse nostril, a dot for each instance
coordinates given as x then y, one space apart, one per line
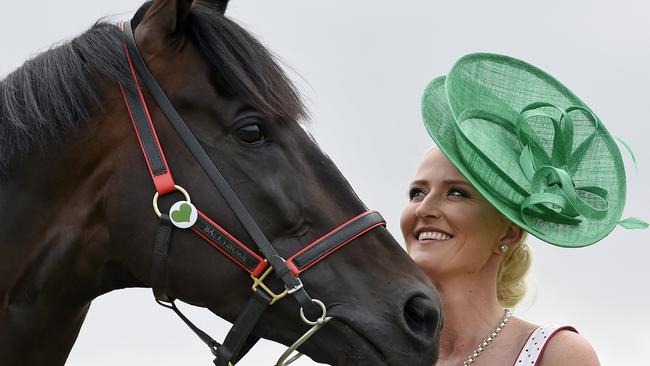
421 315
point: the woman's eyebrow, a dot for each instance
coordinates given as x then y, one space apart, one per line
449 182
456 181
419 182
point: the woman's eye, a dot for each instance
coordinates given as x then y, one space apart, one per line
416 194
456 192
251 134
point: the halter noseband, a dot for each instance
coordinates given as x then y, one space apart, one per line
185 216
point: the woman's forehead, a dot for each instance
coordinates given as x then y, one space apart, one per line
435 166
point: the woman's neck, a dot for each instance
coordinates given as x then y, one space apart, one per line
471 312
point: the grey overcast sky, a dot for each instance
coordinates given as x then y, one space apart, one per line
363 65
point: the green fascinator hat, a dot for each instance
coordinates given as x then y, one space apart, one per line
530 147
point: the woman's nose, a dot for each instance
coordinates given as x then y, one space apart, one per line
428 207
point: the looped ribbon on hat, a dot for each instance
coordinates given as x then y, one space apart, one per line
552 195
552 189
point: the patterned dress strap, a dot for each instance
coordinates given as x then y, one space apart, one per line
532 350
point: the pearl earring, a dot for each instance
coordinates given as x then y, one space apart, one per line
504 248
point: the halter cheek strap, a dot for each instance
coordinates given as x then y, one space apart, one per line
146 133
239 338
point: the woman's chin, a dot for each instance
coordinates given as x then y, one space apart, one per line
426 260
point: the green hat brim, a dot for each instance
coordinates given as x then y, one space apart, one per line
467 88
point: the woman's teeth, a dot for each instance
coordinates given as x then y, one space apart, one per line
433 235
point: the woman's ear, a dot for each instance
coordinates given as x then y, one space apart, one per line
511 237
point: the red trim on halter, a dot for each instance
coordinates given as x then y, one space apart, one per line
164 183
255 272
260 269
296 271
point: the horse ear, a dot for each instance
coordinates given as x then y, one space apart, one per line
218 5
167 17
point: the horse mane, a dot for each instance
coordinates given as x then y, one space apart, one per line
52 94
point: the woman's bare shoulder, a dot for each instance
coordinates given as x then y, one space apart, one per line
569 348
522 329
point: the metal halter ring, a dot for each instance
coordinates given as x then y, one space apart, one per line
319 320
157 195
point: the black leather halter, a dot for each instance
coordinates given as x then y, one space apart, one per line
239 338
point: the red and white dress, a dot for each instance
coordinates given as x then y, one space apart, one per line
532 351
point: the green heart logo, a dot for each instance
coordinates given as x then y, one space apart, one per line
183 213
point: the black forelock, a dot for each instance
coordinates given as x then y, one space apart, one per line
242 65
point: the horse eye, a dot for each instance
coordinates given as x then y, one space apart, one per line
251 134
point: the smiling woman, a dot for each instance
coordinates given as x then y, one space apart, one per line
516 152
439 188
363 65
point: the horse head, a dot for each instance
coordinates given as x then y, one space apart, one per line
86 193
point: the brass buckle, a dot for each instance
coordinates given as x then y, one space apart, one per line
259 282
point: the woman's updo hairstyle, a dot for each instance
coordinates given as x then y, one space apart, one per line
511 282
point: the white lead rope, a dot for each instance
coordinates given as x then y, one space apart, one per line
283 359
315 326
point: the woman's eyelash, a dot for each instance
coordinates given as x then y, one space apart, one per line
413 192
461 192
456 192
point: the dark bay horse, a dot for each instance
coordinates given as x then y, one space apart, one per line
76 219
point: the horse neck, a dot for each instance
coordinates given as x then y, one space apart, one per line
55 241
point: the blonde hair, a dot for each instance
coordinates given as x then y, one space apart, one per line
511 281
